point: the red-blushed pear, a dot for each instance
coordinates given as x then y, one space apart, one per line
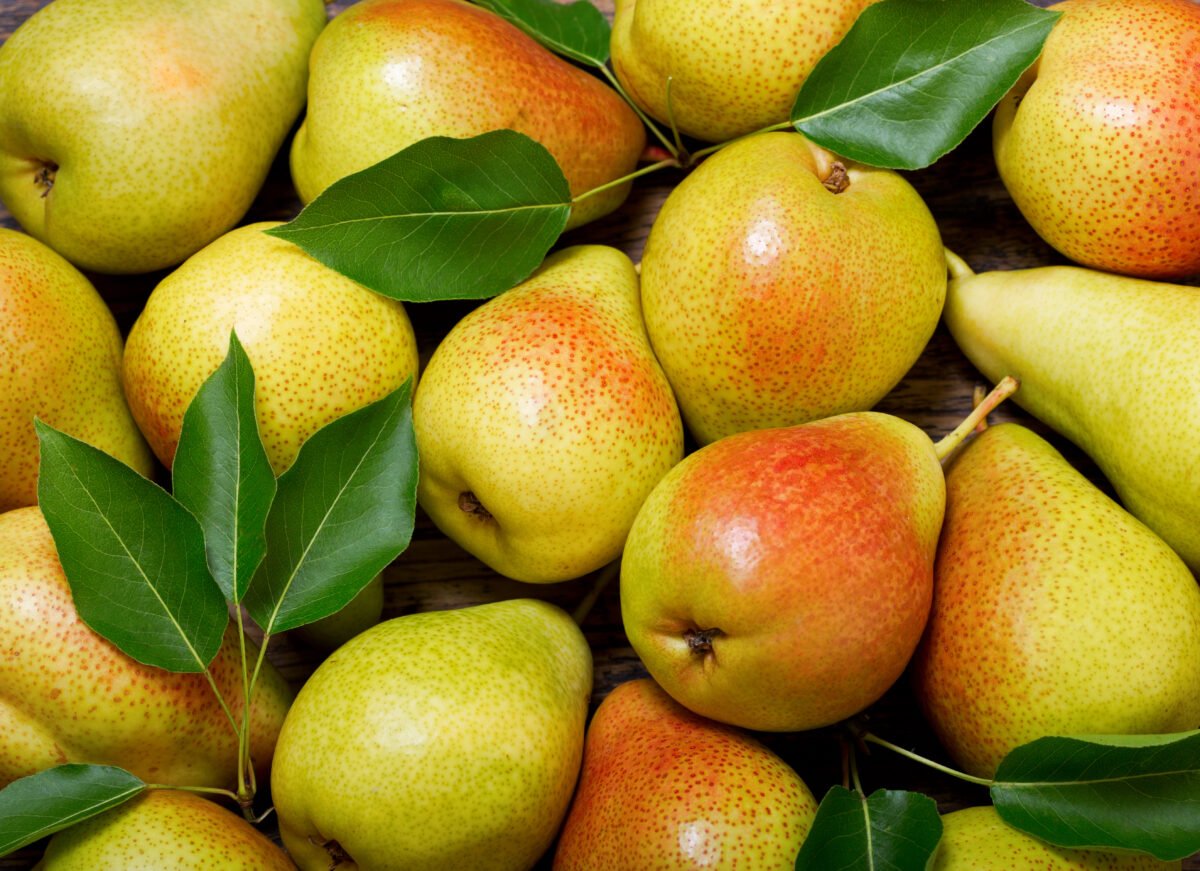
665 789
160 829
388 73
67 695
780 579
1097 143
1055 612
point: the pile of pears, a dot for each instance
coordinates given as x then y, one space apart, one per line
703 417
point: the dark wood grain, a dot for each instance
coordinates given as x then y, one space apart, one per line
977 219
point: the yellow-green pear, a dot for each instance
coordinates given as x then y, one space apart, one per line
1055 612
1111 363
781 284
62 363
976 839
321 345
68 695
543 420
434 741
134 132
734 67
164 828
388 73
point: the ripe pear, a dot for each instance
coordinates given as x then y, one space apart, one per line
662 788
438 740
1096 143
321 345
543 420
1111 363
781 285
134 132
1055 612
734 67
976 839
62 363
67 695
164 828
388 73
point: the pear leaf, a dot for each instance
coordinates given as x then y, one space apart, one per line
344 510
576 30
47 802
222 475
912 78
1127 792
442 219
133 556
891 830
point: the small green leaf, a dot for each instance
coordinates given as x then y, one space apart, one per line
344 510
222 475
1106 792
576 30
134 557
913 77
47 802
442 219
891 830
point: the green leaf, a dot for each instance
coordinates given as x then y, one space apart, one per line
344 510
134 557
47 802
442 219
913 77
576 30
1130 792
222 475
891 829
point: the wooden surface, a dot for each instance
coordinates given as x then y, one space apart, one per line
977 219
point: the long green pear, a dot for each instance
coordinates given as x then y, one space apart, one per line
134 132
1112 363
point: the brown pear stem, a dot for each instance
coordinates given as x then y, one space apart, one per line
957 266
588 602
1006 388
977 397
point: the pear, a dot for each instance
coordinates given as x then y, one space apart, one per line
976 839
67 695
164 828
1111 363
320 344
1096 143
1055 611
662 788
134 132
543 420
388 73
440 740
781 285
62 363
734 67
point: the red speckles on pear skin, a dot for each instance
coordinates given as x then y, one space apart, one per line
664 790
68 695
1100 148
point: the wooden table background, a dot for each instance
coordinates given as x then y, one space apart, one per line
978 220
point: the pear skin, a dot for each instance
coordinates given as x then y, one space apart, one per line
663 788
780 579
1055 612
1097 143
543 420
321 345
388 73
772 300
62 363
134 132
67 695
1108 361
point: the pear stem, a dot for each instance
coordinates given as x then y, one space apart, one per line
854 779
937 766
653 128
645 170
1006 388
713 149
977 397
206 790
957 266
683 152
603 580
